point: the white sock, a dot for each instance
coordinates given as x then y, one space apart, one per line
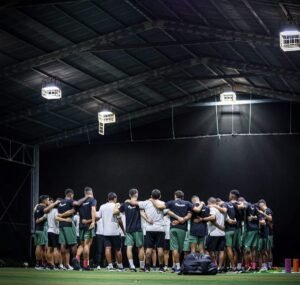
131 263
142 264
120 265
239 265
177 265
174 265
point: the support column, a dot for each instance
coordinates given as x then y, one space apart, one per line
35 189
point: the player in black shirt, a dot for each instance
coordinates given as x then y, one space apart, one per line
67 230
40 232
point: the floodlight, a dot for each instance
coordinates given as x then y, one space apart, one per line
290 40
51 89
228 97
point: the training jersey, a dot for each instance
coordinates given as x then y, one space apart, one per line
251 210
167 222
64 206
85 212
110 221
133 217
264 230
199 229
53 224
220 219
232 214
181 208
38 213
154 214
99 226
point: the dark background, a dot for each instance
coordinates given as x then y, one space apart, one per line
260 166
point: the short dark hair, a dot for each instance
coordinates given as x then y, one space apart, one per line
133 192
235 192
211 200
195 196
43 197
69 191
218 200
261 201
179 194
111 196
155 194
88 189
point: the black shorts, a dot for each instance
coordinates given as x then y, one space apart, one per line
154 239
215 243
53 240
167 244
113 241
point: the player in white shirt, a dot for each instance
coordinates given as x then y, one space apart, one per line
111 232
216 235
99 243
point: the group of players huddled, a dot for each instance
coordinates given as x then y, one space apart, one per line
237 234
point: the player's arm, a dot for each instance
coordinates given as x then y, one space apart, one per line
210 218
160 205
41 219
57 218
51 206
116 209
144 216
80 201
94 214
176 217
67 213
132 202
223 210
121 224
267 216
198 209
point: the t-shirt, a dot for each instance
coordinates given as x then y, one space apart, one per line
154 214
85 211
264 230
181 208
99 224
64 206
220 219
53 224
110 221
199 229
76 220
38 213
167 226
133 217
232 214
252 211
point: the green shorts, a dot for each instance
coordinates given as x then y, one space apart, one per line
67 235
86 234
263 244
196 240
40 238
251 240
134 239
177 238
234 238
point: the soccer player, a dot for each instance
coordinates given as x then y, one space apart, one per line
99 243
265 218
167 222
111 231
134 233
178 231
198 226
155 231
40 234
251 237
67 230
215 241
87 214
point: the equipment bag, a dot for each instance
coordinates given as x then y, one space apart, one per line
198 264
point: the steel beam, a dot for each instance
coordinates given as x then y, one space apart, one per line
176 103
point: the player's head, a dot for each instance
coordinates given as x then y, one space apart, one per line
88 191
50 201
212 201
262 205
44 199
242 200
234 195
133 193
155 194
69 193
195 199
179 194
219 201
112 197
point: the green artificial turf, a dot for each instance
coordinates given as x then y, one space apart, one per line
11 276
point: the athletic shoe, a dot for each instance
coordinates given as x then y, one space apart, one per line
69 268
98 267
119 269
166 268
110 268
142 270
147 269
263 269
76 264
132 269
173 270
50 267
161 269
88 268
38 267
178 271
60 267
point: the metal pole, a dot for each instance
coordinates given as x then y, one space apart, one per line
34 194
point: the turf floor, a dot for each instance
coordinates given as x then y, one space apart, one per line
11 276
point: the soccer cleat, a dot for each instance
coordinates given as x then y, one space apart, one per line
120 269
38 267
76 264
50 267
161 269
132 269
69 268
147 269
173 269
110 268
166 268
98 267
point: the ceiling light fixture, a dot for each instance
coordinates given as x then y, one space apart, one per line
51 89
290 40
228 97
105 116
